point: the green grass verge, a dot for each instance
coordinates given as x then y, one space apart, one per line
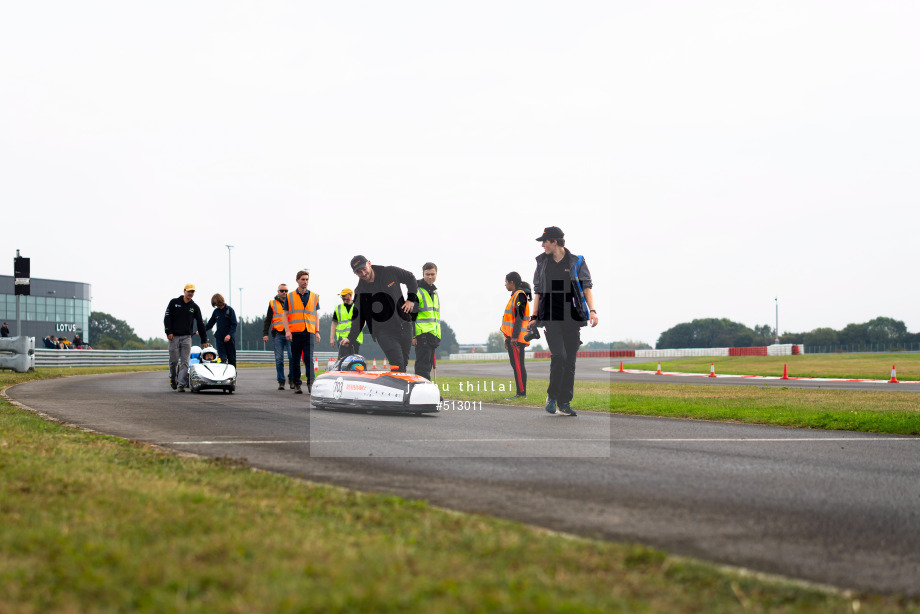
844 366
884 411
92 523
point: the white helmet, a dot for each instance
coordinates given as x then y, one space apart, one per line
208 354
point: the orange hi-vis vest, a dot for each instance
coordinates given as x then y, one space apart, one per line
277 314
508 317
302 317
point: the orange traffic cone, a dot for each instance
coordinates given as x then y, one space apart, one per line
712 369
658 372
621 367
375 364
315 364
894 376
785 373
386 365
330 363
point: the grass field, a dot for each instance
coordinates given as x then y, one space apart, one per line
845 366
888 410
92 523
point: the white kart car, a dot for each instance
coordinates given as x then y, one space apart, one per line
205 370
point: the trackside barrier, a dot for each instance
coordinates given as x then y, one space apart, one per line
769 350
17 353
595 354
95 358
494 355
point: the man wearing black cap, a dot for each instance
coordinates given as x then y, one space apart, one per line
562 303
380 305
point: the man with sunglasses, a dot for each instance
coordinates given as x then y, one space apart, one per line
274 322
182 320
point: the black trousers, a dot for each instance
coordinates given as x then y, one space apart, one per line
425 346
563 339
226 350
516 356
302 347
395 343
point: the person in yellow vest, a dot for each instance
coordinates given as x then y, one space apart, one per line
427 322
274 322
342 317
515 321
301 325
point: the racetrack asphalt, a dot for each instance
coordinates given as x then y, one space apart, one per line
832 507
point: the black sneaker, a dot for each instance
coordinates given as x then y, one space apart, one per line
172 384
181 389
280 385
297 389
551 406
564 408
517 396
291 383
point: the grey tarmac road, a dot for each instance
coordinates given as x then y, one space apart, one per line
831 507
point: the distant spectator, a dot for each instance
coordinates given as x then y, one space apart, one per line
65 344
50 342
77 342
4 330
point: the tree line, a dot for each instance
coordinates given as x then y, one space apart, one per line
106 332
722 332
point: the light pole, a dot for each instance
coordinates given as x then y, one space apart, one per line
777 319
229 276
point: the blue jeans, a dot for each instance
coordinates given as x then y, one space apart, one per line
281 344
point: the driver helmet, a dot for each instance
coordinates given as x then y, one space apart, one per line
355 362
208 355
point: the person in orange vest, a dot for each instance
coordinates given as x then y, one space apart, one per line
515 321
274 322
301 326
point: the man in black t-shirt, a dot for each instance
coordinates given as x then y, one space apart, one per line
563 302
381 306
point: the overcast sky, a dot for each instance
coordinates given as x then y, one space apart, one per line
705 157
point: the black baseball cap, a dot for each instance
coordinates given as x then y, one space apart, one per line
358 262
551 232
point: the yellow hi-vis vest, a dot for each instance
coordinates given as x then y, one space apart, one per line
302 317
508 318
429 314
343 314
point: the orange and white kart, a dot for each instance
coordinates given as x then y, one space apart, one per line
349 385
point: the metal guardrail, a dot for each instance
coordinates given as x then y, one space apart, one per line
17 353
95 358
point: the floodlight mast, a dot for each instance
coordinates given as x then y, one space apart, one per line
229 276
777 319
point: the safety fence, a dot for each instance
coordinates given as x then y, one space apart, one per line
490 355
854 348
96 358
770 350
